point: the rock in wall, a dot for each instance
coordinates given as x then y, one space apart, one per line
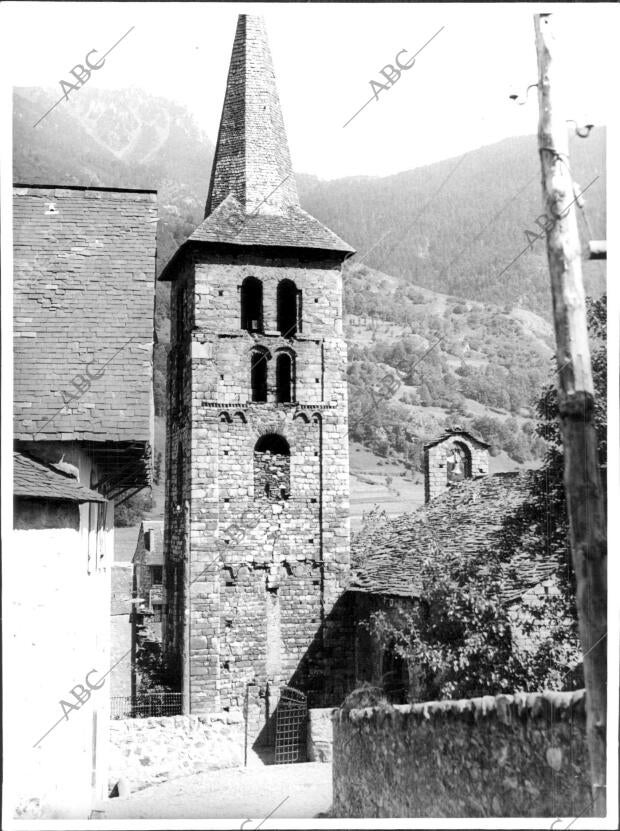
508 756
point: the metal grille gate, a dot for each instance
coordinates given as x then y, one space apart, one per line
291 721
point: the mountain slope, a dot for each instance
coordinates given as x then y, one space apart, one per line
455 225
432 244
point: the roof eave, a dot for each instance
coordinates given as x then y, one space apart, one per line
225 246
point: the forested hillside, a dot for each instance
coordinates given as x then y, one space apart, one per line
456 225
425 296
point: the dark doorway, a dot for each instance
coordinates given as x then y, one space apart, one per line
395 677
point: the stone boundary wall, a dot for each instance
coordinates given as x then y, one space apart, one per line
504 756
144 751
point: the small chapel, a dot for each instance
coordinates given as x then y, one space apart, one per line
257 493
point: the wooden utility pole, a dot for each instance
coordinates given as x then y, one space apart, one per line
582 480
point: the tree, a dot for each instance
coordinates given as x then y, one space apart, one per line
548 487
134 510
459 640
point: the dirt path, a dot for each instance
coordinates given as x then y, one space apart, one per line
304 790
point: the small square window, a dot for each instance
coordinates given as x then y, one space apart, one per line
226 452
316 380
316 299
221 377
226 499
220 293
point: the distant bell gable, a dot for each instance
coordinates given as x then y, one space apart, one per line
452 458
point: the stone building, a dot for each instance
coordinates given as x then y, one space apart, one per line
257 502
84 270
484 516
148 569
452 458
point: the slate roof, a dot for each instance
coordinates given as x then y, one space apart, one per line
36 480
253 200
122 589
466 519
84 273
449 434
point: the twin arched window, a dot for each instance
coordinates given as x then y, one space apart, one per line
288 302
285 375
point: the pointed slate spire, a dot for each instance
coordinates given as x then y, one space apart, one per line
253 200
252 159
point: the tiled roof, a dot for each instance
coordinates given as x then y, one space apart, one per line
469 518
36 480
294 227
84 271
122 588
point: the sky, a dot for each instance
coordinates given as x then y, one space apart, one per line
454 98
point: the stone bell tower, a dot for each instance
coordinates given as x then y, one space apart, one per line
257 499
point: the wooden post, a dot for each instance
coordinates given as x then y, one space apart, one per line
584 494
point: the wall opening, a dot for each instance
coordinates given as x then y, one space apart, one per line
258 374
458 463
285 378
252 305
289 309
395 676
272 467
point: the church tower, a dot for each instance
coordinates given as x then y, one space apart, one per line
257 492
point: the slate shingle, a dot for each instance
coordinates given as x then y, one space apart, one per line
467 519
36 480
84 272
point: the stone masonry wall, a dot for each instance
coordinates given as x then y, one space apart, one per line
522 755
267 576
144 751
